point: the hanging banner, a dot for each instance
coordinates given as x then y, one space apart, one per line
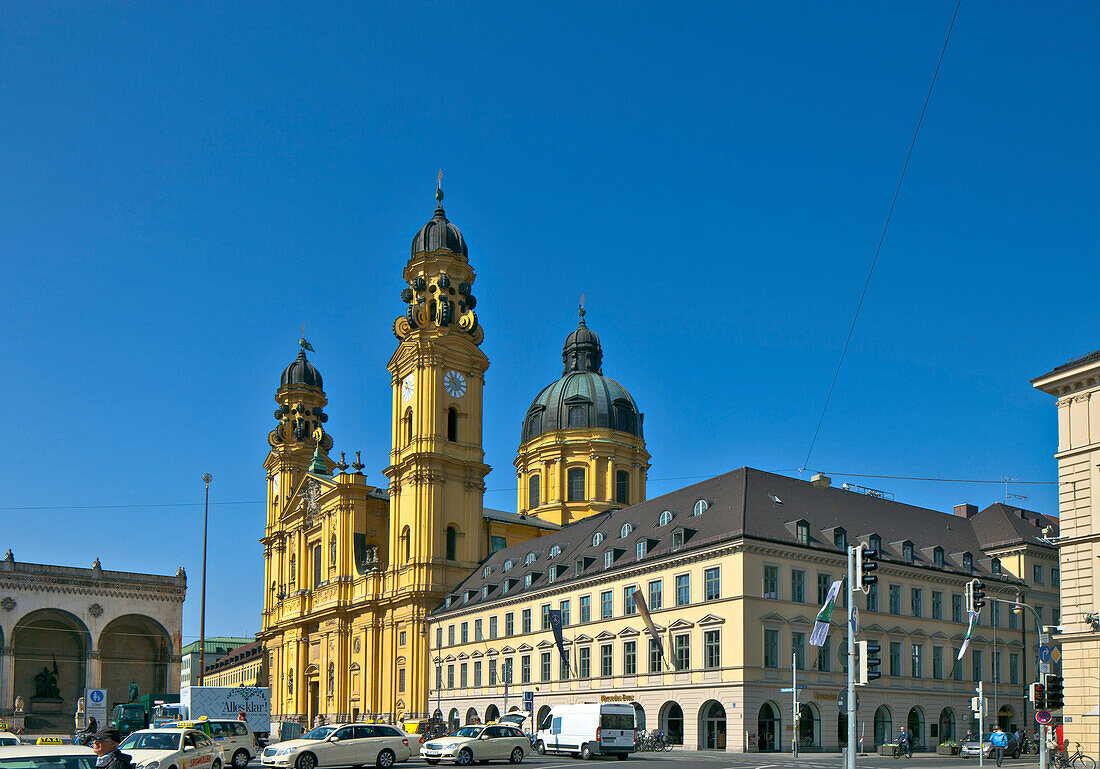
825 616
643 607
555 625
969 630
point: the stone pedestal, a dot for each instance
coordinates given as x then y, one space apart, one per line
47 705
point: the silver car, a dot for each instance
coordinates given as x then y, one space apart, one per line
494 742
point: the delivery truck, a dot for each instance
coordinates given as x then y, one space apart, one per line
221 702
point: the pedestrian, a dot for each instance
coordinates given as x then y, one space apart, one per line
999 740
105 746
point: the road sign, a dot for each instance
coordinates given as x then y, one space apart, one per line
842 701
1055 654
1044 667
1044 638
789 689
1044 653
528 696
1042 717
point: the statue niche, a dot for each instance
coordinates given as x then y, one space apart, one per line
47 691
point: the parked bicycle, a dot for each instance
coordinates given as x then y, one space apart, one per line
1076 760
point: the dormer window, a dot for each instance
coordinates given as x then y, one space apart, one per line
507 565
597 538
876 543
530 559
578 566
700 507
465 598
840 538
937 557
554 551
677 539
907 551
484 591
608 558
665 519
968 562
802 533
624 532
447 602
527 580
551 574
995 566
640 549
486 572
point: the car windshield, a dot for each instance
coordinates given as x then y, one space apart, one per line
48 762
151 741
467 731
320 733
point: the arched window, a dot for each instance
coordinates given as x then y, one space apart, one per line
407 426
624 418
622 487
452 425
665 519
452 542
529 560
486 571
884 725
555 551
700 507
507 565
534 425
406 546
624 532
597 538
576 484
533 492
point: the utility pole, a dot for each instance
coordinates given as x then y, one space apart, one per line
794 702
981 723
852 588
206 478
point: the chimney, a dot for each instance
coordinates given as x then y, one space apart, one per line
966 510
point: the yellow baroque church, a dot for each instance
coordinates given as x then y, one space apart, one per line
351 571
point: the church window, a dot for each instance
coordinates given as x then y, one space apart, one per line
665 519
533 492
700 507
452 542
625 419
405 545
597 538
317 565
407 426
452 425
624 532
576 484
576 416
622 487
534 424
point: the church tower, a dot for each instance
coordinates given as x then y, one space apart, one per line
437 466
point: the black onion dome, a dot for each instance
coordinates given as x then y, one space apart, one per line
583 397
301 372
439 233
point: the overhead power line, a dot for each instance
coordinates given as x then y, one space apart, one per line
882 237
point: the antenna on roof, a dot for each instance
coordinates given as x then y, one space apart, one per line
1008 494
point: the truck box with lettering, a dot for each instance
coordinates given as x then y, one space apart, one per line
228 702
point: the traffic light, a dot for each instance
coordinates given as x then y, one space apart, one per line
868 661
1037 694
866 563
1054 693
976 705
975 595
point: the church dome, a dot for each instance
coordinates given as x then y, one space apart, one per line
583 397
301 372
439 233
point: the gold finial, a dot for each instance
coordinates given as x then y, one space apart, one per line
581 311
439 187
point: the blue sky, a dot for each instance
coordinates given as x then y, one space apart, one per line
184 185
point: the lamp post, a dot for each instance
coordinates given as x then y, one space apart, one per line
206 478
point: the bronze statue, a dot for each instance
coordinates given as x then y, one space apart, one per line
133 691
45 684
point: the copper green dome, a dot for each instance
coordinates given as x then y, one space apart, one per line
583 397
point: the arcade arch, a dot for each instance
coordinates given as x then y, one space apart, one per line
56 644
134 648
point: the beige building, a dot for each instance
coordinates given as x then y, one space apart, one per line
1076 385
242 666
734 570
216 648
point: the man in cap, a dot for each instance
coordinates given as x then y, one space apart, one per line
105 746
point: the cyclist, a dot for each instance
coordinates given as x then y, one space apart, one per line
905 743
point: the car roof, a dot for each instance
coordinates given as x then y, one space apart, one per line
23 751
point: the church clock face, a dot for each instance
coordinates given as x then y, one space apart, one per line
407 388
455 384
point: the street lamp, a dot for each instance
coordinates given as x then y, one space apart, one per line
206 478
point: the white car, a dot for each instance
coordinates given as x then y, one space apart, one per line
172 749
501 742
233 736
47 757
340 745
8 739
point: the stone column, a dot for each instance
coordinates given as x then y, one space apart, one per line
93 676
7 680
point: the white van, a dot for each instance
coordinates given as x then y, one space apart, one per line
587 730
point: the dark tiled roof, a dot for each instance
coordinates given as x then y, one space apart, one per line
215 644
237 656
1080 360
527 520
754 504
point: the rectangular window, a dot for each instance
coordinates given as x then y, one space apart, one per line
916 601
1037 573
506 670
872 598
477 673
578 567
682 649
586 608
477 630
605 604
544 612
492 672
439 637
438 676
655 596
630 606
1055 577
895 658
1014 621
492 628
995 614
544 672
564 606
895 599
622 488
497 543
563 668
608 559
576 481
996 667
825 656
798 647
526 621
640 549
937 604
1039 612
450 635
956 607
525 669
771 648
798 586
771 582
630 658
683 589
937 662
916 669
465 633
509 625
824 582
712 584
1013 668
450 676
654 656
976 665
605 661
956 669
677 539
712 650
584 662
462 680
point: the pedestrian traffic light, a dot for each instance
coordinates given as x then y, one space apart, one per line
975 595
1054 693
1037 694
868 661
866 563
976 705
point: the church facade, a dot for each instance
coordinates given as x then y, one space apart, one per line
352 571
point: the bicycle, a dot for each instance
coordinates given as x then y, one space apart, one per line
1078 760
899 751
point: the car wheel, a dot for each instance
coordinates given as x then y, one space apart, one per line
465 757
540 748
217 764
306 761
622 756
241 759
586 752
431 761
517 755
385 759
